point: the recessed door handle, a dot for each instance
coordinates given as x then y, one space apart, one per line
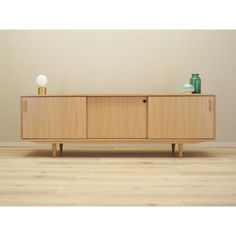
210 105
25 106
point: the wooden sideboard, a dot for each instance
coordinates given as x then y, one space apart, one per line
151 118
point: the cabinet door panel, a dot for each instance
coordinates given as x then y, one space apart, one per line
181 117
117 117
54 117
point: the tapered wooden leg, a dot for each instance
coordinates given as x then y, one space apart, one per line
173 148
61 148
181 149
54 149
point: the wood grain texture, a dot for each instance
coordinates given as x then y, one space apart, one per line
54 117
117 176
181 117
117 117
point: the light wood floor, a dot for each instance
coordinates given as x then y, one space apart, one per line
117 177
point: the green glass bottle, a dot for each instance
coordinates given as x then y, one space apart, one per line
196 82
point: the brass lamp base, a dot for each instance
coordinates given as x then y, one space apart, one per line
42 91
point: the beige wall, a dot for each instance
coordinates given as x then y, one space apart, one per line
117 62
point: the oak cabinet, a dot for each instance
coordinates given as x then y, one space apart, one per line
174 119
117 117
181 117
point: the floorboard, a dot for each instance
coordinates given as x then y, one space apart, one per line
117 176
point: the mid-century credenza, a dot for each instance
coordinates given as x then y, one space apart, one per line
151 118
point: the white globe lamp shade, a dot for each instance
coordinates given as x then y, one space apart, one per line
42 80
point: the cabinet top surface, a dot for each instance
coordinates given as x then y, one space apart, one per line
118 95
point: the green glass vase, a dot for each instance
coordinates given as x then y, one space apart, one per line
196 82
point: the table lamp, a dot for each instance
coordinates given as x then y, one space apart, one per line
42 80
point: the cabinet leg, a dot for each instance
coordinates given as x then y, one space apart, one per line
54 150
173 148
181 149
61 148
